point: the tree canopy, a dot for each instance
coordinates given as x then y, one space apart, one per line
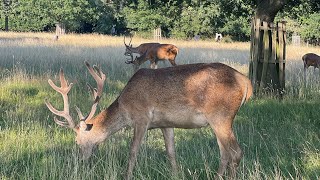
178 18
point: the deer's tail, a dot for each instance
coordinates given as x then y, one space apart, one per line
248 92
173 49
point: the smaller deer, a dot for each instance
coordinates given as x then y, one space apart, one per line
157 53
141 49
310 59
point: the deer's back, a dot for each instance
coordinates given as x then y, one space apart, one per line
311 58
186 90
146 46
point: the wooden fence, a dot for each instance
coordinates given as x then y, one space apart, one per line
157 34
267 57
60 29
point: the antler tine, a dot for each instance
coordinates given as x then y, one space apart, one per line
130 40
80 115
63 90
93 91
97 93
99 80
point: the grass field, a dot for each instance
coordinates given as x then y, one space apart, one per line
280 140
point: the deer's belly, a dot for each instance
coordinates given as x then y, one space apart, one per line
171 119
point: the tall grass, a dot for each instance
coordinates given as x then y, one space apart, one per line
280 139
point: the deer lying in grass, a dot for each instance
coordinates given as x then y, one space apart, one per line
156 53
197 95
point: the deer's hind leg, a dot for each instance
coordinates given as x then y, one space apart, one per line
230 151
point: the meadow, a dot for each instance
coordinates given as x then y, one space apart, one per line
280 139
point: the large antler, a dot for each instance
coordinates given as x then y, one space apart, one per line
100 78
124 41
63 90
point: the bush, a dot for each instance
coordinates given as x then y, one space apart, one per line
310 27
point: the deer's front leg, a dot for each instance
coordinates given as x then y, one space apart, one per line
139 132
153 64
168 135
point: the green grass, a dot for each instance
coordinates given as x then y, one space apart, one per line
280 139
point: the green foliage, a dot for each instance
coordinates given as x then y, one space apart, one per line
30 15
143 17
311 27
238 28
196 21
177 18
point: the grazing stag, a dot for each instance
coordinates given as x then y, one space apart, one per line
141 49
310 59
156 53
197 95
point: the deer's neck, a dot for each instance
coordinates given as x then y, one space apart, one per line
114 119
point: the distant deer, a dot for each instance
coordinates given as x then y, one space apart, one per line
310 59
141 49
196 95
156 53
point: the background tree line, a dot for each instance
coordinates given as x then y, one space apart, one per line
181 19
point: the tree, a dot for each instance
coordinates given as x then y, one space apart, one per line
267 10
7 10
144 18
196 21
311 26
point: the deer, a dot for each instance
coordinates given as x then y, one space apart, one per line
141 49
197 95
160 52
310 59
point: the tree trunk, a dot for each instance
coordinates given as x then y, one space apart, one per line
6 23
267 9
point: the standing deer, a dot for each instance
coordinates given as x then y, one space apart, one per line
310 59
156 53
197 95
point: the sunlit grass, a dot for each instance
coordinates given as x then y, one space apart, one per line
280 140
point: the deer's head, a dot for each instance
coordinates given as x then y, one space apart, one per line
88 132
136 62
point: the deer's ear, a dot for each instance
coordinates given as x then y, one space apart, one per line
85 127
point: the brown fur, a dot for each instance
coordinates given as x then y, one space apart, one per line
141 49
157 53
191 96
311 59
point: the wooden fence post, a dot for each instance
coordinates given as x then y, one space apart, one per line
60 29
265 51
255 51
157 34
267 57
